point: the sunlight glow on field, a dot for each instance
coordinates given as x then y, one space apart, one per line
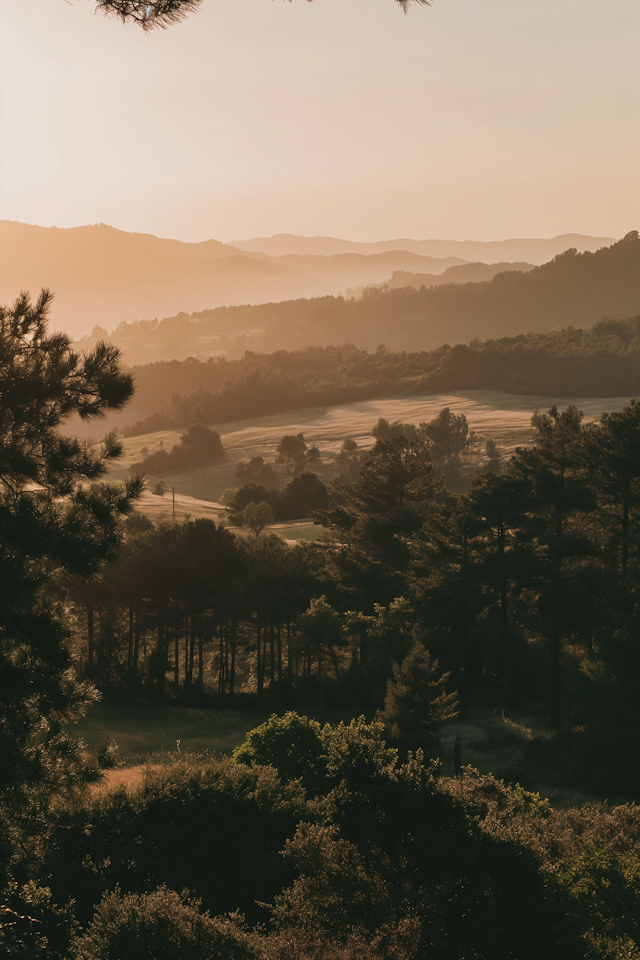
502 417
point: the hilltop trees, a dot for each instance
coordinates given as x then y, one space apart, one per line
292 449
302 495
376 516
383 430
556 470
446 438
256 516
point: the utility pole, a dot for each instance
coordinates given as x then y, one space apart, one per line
173 493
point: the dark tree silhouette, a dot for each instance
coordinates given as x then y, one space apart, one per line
292 448
54 519
417 704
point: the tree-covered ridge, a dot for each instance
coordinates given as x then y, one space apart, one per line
601 361
572 289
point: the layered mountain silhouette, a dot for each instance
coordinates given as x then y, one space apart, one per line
103 276
573 289
491 251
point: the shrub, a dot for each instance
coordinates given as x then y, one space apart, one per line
292 744
160 926
213 828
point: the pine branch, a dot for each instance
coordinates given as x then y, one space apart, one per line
163 13
149 13
407 4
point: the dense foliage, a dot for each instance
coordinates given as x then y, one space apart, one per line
299 498
382 859
519 593
524 588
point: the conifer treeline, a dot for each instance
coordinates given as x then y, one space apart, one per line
525 587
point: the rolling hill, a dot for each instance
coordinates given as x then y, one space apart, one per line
103 277
572 289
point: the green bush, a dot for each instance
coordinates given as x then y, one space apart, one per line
292 744
160 926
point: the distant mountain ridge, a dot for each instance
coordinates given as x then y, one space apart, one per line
577 289
534 251
104 276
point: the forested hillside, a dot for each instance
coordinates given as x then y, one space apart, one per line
602 361
106 276
572 289
460 273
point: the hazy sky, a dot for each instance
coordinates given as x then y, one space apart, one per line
471 119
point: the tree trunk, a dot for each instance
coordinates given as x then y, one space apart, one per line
185 684
264 651
192 646
232 674
625 526
176 658
130 645
279 651
136 647
90 640
272 653
221 677
161 648
555 676
259 660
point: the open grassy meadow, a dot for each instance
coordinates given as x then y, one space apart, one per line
504 418
143 730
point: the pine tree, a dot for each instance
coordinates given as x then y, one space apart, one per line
377 516
54 519
416 704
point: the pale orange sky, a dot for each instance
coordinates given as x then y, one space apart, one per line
472 119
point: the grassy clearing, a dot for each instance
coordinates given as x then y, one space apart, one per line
493 743
147 736
502 417
146 730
